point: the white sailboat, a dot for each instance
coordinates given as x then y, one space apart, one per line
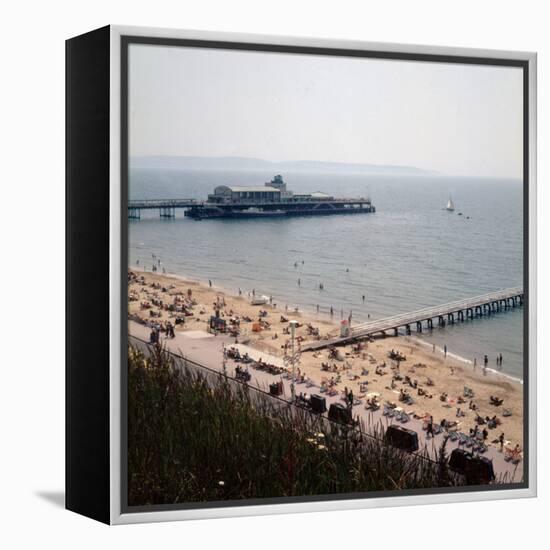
450 206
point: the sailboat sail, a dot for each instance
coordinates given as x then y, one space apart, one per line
450 205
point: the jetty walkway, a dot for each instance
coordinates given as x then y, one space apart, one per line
450 313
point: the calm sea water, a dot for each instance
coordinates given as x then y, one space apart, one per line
410 254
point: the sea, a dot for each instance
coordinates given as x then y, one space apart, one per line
412 253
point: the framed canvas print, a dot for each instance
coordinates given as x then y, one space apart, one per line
309 270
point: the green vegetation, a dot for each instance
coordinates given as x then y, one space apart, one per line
197 437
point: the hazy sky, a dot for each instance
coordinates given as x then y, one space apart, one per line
457 119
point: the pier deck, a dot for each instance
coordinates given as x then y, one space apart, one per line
200 209
477 306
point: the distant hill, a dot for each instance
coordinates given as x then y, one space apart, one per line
254 164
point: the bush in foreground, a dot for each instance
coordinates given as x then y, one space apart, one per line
195 436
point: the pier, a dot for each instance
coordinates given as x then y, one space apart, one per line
166 207
198 209
272 199
425 319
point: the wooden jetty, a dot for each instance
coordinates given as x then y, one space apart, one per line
444 314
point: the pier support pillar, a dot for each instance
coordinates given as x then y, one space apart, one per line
419 326
469 313
430 324
441 321
460 315
451 318
134 213
408 329
167 212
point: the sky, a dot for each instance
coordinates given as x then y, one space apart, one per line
456 119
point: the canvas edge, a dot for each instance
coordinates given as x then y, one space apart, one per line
117 517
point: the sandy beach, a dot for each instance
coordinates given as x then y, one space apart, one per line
426 374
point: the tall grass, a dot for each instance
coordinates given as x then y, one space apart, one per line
194 437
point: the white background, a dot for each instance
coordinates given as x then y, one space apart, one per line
32 296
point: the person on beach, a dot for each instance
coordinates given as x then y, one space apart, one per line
485 360
500 358
209 283
501 441
445 349
430 427
299 282
363 297
137 262
331 311
475 362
